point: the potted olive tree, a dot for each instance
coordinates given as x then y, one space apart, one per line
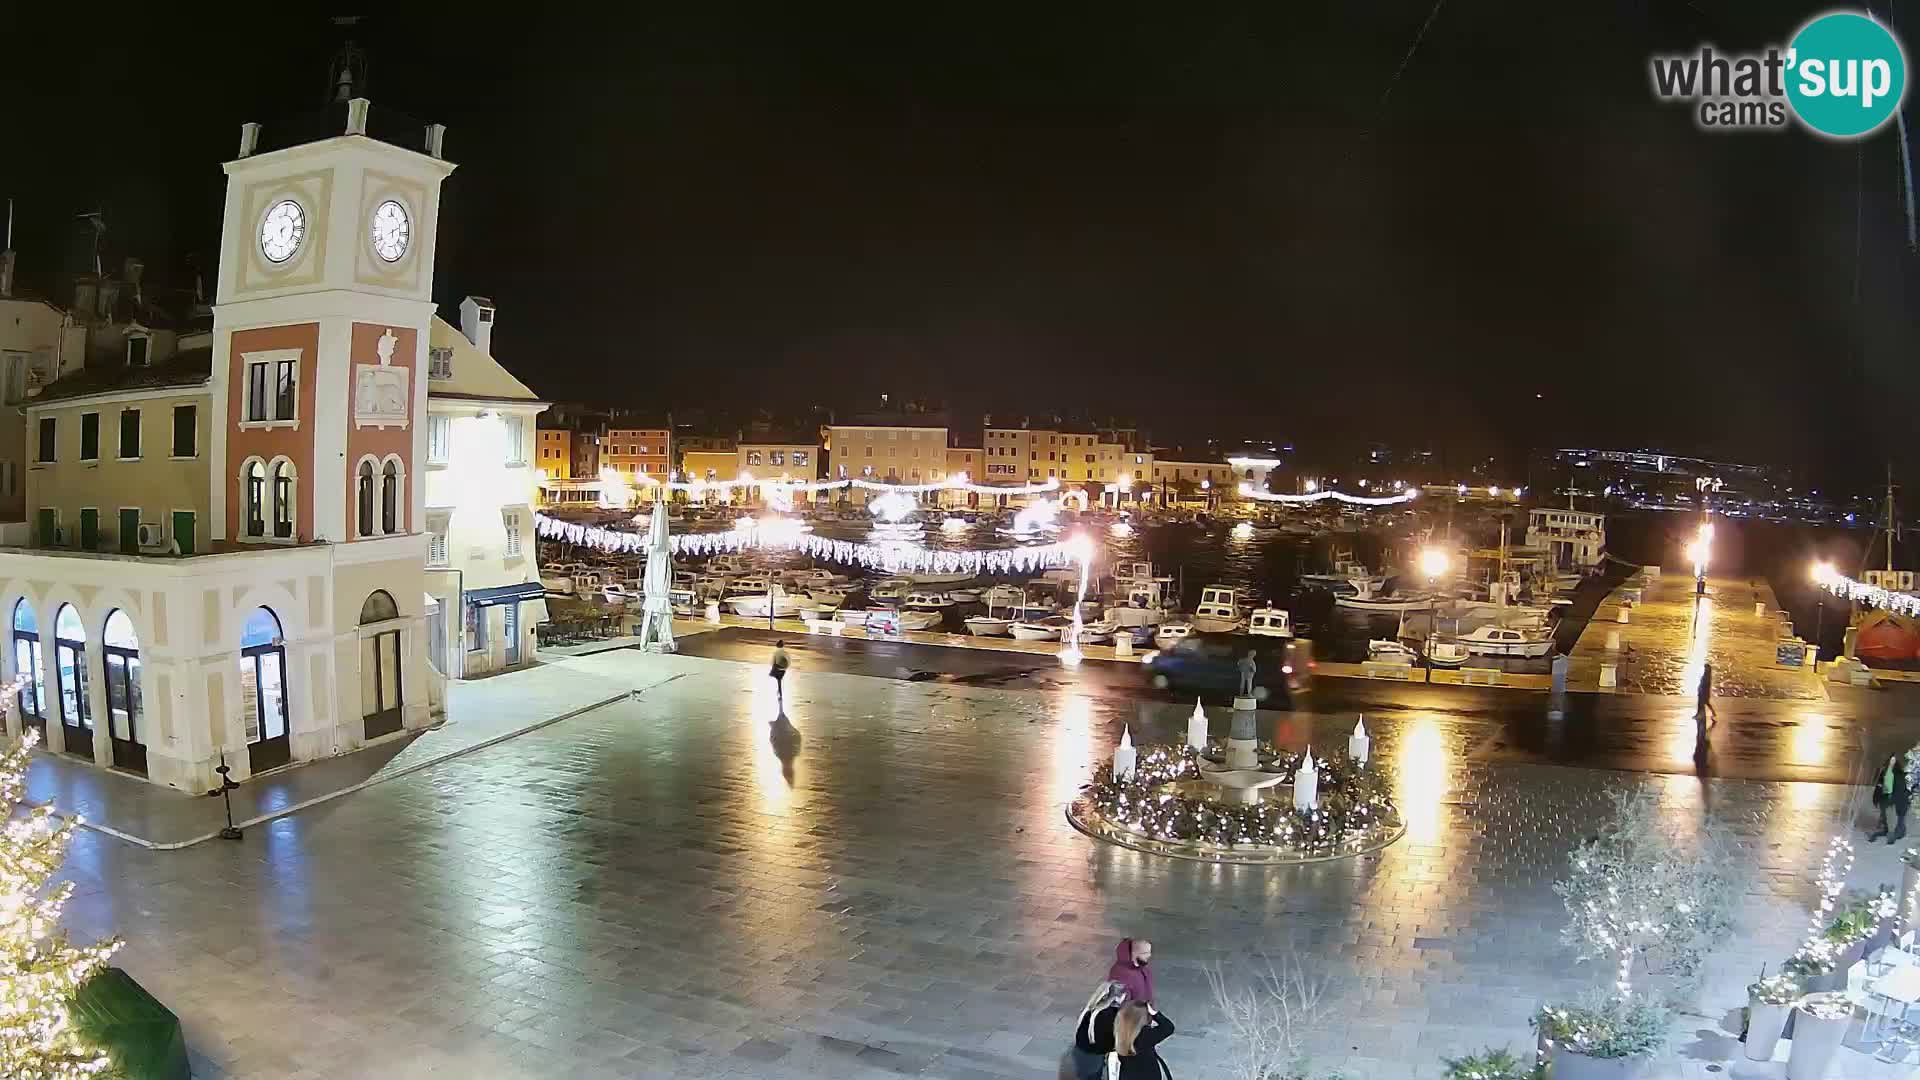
1603 1036
1819 1025
1492 1064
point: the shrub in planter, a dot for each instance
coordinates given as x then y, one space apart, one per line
1602 1036
1491 1064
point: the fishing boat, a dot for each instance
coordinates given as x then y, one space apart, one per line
832 595
854 616
919 620
1270 622
1144 605
1171 632
964 596
1366 597
988 626
682 601
784 605
1098 633
1502 641
1383 651
1002 596
928 601
891 589
1445 654
1048 629
1217 612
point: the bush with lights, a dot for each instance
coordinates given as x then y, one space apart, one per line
1354 803
39 971
1603 1025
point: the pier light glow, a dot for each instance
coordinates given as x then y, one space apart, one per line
615 492
893 506
1433 562
1493 490
1822 572
1461 490
1363 483
1243 531
1312 486
1039 515
953 526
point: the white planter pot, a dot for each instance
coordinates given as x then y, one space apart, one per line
1816 1042
1568 1065
1764 1025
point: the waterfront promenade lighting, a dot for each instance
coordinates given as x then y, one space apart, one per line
1433 563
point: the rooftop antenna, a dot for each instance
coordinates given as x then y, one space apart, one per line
9 246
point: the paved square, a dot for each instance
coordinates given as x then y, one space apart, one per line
650 889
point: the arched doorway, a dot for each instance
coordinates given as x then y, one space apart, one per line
70 669
380 686
26 662
122 651
263 691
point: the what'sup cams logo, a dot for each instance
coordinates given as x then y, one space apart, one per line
1842 77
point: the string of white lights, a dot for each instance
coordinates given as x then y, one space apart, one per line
958 483
789 535
1846 588
1407 496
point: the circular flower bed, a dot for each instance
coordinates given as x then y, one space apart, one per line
1167 807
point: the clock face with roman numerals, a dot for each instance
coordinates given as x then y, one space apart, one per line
282 230
392 231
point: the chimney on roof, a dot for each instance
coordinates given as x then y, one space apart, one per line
6 273
476 321
131 271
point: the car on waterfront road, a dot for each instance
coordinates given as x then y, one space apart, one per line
1210 664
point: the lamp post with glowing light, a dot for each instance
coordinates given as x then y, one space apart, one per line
1433 563
1822 573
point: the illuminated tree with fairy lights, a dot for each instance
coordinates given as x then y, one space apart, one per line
39 970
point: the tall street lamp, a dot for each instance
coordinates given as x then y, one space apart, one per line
1433 563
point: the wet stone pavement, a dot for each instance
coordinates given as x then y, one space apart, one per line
669 887
1671 634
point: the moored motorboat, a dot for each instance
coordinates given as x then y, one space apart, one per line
964 596
1218 611
1170 632
1270 622
1042 630
1503 641
988 626
928 601
756 605
1446 654
1367 597
1383 651
919 620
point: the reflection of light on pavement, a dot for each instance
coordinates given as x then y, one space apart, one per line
1809 743
1070 751
1421 775
1803 796
776 795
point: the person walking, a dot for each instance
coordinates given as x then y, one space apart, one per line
1137 1032
1093 1034
1703 711
1891 792
779 672
1130 960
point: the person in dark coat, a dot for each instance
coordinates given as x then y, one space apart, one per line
1093 1034
1891 792
1130 960
1136 1032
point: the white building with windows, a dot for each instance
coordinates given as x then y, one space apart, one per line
1573 539
482 564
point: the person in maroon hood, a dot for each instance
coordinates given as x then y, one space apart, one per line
1130 968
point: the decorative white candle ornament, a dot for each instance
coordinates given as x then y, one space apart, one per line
1358 744
1306 784
1197 727
1123 756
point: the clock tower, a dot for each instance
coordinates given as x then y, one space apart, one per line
322 314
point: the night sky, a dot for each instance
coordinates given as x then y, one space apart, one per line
1211 223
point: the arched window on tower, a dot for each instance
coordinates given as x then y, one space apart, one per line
255 479
364 497
391 518
283 478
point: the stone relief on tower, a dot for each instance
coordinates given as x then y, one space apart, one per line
382 392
